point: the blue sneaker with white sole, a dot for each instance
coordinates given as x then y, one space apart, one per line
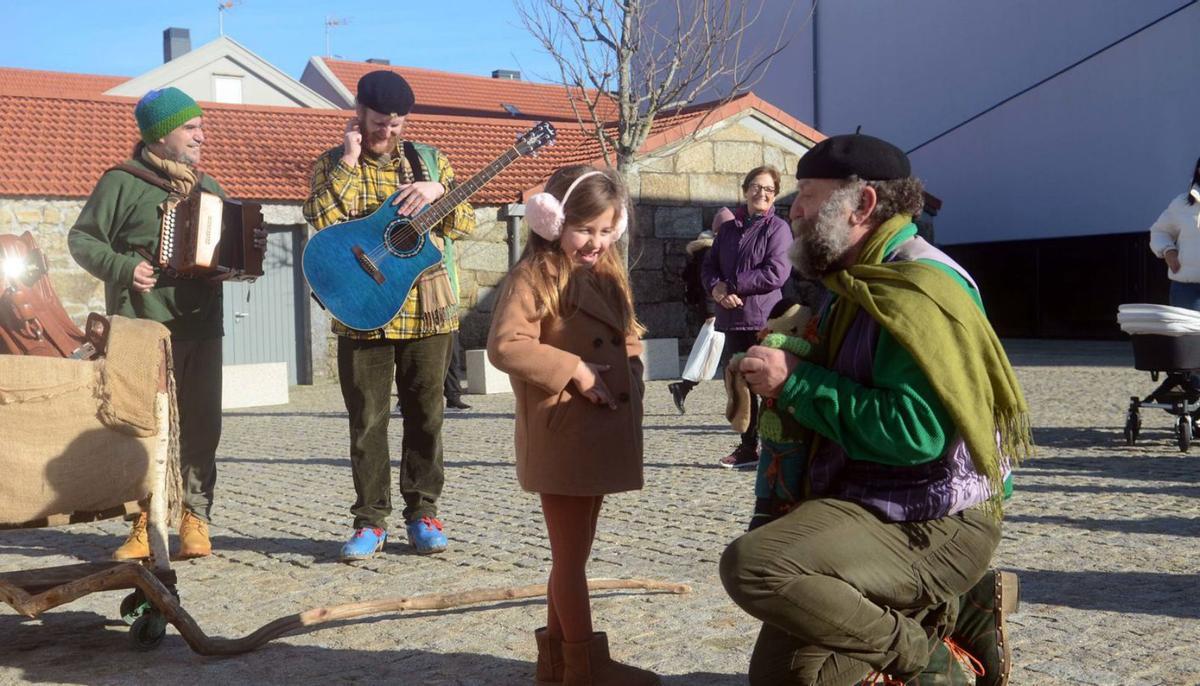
426 535
363 544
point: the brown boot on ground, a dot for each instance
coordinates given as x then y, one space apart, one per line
587 664
193 537
137 546
550 658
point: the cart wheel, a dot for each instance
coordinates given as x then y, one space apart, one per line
1133 426
1183 429
148 630
133 606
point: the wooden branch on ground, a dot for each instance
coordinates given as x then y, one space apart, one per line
130 575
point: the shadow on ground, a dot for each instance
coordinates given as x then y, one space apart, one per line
77 648
1150 593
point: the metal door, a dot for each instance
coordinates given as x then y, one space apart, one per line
264 326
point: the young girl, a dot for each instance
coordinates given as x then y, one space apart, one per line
564 329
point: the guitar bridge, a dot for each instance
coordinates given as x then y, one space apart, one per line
367 265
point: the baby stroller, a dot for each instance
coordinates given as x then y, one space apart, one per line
1166 340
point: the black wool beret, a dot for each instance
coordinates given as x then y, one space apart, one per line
385 92
854 154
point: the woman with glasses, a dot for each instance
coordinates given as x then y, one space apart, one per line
744 271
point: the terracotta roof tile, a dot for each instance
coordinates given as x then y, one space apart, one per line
266 153
55 83
255 152
440 92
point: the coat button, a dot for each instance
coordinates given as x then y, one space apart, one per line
617 340
598 342
623 397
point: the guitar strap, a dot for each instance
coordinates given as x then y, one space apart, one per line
423 161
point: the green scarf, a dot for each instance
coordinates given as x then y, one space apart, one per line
947 334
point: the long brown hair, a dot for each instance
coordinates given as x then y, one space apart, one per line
551 272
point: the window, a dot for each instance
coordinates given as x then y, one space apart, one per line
227 89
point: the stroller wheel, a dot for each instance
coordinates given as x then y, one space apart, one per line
1133 426
1183 431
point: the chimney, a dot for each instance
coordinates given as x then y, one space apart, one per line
379 60
507 74
176 42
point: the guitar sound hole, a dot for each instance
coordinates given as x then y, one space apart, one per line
403 240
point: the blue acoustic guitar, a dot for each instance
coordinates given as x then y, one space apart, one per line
362 270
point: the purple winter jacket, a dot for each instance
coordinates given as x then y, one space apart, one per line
751 256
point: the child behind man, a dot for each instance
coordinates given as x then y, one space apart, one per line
564 330
698 300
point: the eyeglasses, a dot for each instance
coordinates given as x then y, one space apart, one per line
766 190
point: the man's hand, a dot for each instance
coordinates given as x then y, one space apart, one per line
352 146
587 380
1172 258
767 369
414 196
143 277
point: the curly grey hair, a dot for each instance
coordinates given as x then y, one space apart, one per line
899 196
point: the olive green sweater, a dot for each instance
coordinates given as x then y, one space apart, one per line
123 214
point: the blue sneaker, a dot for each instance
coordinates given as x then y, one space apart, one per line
426 535
363 544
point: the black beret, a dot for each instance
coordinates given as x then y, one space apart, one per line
854 154
385 92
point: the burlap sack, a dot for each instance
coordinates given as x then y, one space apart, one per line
76 442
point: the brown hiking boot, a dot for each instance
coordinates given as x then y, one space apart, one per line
587 663
193 537
549 660
137 546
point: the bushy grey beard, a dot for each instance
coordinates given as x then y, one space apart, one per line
822 241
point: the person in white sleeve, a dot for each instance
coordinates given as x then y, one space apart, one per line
1175 238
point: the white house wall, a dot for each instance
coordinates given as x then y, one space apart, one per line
1100 149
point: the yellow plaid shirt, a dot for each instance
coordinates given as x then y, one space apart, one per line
339 193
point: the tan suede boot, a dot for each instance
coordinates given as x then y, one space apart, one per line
193 537
137 546
587 663
550 658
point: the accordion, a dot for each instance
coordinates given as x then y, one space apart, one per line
203 235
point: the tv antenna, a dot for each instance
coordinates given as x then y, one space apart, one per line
223 7
330 23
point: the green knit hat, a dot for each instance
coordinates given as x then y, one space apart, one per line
163 110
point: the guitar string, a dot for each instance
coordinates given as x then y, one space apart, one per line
402 236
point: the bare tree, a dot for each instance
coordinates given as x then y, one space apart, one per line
626 62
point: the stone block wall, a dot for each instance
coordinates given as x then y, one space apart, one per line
677 192
49 220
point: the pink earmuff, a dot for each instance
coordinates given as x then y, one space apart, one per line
544 212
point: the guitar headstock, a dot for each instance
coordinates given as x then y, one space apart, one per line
533 139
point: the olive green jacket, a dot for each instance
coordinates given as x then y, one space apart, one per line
123 214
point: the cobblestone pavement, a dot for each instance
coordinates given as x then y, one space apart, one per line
1103 535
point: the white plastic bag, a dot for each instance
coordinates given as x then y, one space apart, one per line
706 353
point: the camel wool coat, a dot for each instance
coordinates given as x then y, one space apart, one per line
565 444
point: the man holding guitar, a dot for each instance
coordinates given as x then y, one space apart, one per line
350 181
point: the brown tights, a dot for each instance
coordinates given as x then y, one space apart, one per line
571 524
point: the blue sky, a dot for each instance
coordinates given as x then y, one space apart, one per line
124 37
